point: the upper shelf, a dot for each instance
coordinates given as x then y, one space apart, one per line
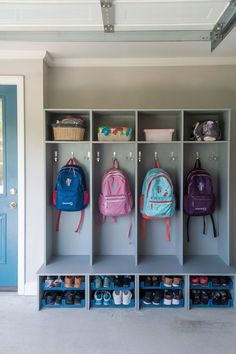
181 121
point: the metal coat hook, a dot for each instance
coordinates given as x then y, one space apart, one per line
88 156
131 156
172 156
197 155
139 156
72 155
98 156
155 156
55 157
114 155
213 157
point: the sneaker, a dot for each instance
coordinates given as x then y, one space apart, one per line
118 282
127 296
57 282
98 298
216 298
106 282
167 298
98 282
69 281
167 282
117 297
216 282
196 297
205 296
147 299
224 297
224 281
176 297
106 298
155 281
176 281
156 297
203 281
58 299
148 281
78 282
78 298
195 281
126 281
69 298
49 282
49 297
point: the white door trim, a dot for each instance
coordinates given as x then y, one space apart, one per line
19 82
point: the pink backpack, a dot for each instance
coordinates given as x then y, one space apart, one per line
115 198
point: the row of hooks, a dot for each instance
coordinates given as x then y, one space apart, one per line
171 157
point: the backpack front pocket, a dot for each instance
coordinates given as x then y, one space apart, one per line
114 206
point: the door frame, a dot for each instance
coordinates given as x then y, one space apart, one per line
18 81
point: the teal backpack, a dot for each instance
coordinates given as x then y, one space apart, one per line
157 200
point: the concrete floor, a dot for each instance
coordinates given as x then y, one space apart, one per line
24 330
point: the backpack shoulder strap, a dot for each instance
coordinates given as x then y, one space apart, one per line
82 213
213 225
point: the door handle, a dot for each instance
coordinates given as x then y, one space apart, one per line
13 205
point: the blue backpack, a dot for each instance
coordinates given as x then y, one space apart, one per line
70 193
157 200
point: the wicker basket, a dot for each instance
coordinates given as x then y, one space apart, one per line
68 132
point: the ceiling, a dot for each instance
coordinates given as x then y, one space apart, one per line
130 15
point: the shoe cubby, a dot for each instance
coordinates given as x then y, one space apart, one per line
62 291
117 248
114 291
165 119
161 291
54 116
193 116
211 291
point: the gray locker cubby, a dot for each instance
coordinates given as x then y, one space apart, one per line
103 247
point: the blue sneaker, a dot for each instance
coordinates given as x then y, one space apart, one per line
106 298
98 282
106 282
98 298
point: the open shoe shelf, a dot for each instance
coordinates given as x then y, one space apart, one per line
103 248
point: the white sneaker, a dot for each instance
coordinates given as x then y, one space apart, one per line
117 297
126 298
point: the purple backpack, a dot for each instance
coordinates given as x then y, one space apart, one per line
115 198
199 199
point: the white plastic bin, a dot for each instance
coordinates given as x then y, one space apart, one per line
159 134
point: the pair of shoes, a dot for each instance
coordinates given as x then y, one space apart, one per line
200 297
52 282
172 298
152 297
199 281
171 281
122 297
123 281
53 297
102 298
102 282
73 298
150 281
220 281
73 281
221 297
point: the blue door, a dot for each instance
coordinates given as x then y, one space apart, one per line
8 187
